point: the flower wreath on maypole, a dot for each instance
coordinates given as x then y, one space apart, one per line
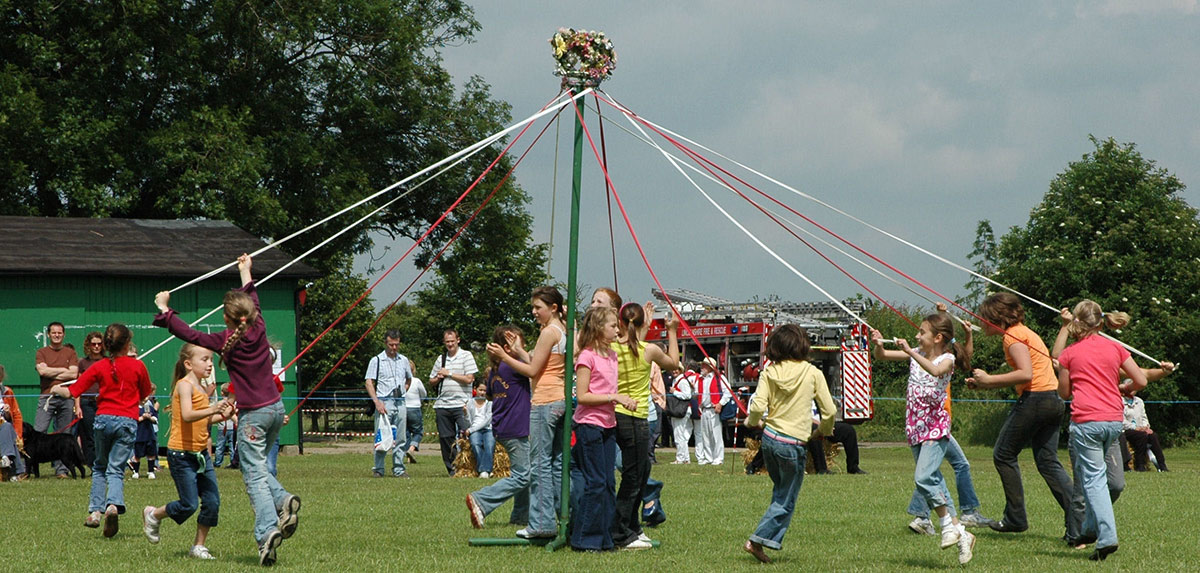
583 56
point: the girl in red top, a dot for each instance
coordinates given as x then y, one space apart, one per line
124 384
1090 373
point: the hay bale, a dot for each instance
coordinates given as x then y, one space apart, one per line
465 462
750 451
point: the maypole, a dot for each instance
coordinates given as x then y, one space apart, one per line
583 60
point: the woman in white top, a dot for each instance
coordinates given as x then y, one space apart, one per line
415 417
479 413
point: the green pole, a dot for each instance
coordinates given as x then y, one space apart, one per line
569 374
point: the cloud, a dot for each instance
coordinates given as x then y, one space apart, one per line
1116 8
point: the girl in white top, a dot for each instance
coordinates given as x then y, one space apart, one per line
479 413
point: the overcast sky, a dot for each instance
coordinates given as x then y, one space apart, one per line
921 118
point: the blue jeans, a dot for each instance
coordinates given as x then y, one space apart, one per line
545 461
595 453
8 447
785 465
1113 472
113 438
415 425
397 416
257 429
928 475
483 443
515 486
967 500
1091 440
226 442
196 483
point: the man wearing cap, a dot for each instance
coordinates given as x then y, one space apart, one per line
714 393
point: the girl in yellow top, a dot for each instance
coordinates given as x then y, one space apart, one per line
782 406
1034 420
191 464
634 358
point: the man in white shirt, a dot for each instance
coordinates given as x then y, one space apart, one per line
388 377
452 376
714 394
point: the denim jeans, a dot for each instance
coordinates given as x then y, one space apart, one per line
968 501
633 438
8 447
1091 440
928 474
257 430
1034 421
785 465
84 429
226 442
415 425
62 412
483 443
450 423
595 452
545 462
515 486
196 483
113 436
397 416
1114 474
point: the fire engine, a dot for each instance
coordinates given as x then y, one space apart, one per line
735 334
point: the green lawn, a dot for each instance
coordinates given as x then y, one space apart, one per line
351 522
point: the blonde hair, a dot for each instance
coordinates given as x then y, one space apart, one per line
240 310
1089 319
591 328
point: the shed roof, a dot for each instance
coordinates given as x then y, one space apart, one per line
132 248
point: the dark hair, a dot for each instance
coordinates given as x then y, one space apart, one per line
53 324
632 317
450 331
590 328
788 342
499 338
551 298
116 338
1002 309
941 323
393 334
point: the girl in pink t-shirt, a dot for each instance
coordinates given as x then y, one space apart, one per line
1090 373
926 421
595 429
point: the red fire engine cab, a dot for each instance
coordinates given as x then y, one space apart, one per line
735 335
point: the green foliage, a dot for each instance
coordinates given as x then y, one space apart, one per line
327 299
268 114
984 256
1114 228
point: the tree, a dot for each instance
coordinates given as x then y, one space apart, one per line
267 114
984 257
1114 228
326 299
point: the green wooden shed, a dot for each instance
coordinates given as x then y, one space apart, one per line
87 273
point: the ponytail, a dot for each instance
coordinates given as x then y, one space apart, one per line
941 324
632 318
241 311
1089 319
233 340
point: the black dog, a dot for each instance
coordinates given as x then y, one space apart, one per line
41 448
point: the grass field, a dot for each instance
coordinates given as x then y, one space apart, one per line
351 522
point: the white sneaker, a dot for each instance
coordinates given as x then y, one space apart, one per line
134 476
643 537
485 475
525 533
200 552
637 544
150 475
922 526
150 525
950 535
966 545
5 462
974 519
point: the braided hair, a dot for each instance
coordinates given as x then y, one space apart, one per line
240 313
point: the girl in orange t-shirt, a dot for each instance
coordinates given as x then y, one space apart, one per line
187 450
1034 420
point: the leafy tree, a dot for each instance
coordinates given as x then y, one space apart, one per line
1114 228
984 257
267 114
327 298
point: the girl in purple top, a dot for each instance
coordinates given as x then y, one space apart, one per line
246 353
509 392
926 421
595 429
